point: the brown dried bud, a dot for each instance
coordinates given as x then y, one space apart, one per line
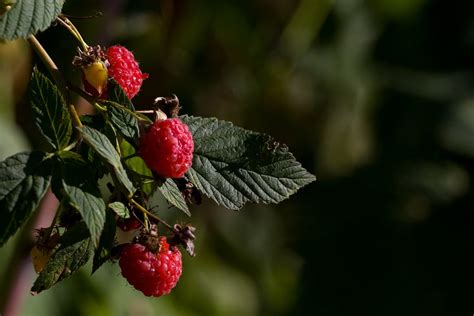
184 236
169 105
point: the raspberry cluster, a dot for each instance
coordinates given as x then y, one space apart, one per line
154 274
117 63
167 148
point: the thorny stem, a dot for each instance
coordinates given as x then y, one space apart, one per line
97 15
149 214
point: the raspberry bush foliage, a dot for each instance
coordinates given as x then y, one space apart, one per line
104 167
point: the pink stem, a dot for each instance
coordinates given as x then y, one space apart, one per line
20 267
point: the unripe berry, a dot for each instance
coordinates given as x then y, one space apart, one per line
95 78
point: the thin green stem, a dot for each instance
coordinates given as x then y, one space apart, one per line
130 157
149 214
70 146
64 21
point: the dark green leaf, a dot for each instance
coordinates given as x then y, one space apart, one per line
117 95
28 17
94 121
123 120
76 233
102 253
122 113
79 185
24 179
65 261
170 191
49 111
233 166
120 209
101 144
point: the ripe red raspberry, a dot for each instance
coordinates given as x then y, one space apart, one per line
153 274
125 70
167 148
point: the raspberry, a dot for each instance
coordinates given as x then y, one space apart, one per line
125 70
154 274
167 148
128 224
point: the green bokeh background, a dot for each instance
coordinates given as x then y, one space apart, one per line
374 97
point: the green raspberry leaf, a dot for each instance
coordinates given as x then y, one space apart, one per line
117 95
74 252
120 209
49 111
122 113
28 17
104 148
171 192
123 120
137 169
94 121
24 179
75 181
233 166
104 251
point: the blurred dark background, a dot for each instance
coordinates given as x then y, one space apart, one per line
374 97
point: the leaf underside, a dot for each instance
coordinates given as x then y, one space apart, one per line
234 166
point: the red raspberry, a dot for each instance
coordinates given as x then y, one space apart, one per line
167 148
128 224
153 274
125 70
